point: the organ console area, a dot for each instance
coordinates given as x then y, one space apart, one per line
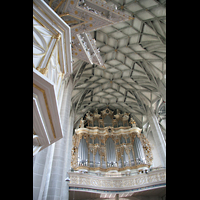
112 144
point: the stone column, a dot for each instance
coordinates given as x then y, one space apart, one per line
47 174
38 172
57 179
157 135
67 162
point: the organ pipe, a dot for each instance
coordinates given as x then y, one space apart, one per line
105 148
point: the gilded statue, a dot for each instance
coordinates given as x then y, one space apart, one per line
96 115
81 125
89 119
118 115
125 118
132 122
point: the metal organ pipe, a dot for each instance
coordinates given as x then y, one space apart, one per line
110 151
83 153
138 150
97 159
109 147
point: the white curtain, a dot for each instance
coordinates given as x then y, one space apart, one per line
138 150
110 150
82 152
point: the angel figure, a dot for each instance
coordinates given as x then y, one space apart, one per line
81 125
132 122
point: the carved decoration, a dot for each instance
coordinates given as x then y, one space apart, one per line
89 119
132 122
125 118
96 115
128 133
81 125
87 181
99 117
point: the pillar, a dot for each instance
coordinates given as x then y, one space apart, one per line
41 171
59 158
157 135
38 171
67 162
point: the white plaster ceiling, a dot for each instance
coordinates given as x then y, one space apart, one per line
134 53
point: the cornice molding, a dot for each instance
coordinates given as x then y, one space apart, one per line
117 183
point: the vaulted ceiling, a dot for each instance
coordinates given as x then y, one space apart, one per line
134 53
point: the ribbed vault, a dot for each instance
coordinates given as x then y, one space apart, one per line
134 53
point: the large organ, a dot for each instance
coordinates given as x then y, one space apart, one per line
110 144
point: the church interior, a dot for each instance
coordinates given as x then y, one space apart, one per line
99 99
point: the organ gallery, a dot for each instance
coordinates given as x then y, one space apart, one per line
108 141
